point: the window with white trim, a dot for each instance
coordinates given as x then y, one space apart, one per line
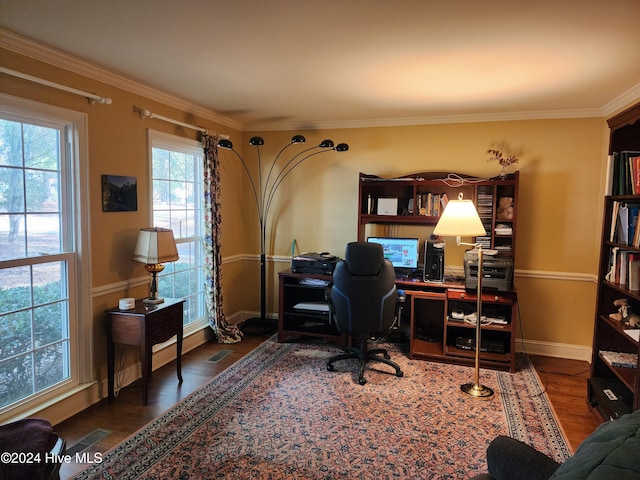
177 202
41 238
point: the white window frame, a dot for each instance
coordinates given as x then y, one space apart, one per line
158 139
75 193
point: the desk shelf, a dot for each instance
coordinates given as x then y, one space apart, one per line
297 322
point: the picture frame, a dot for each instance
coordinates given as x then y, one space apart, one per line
119 193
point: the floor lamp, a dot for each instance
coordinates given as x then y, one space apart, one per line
264 191
460 219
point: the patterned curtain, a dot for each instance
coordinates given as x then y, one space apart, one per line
225 332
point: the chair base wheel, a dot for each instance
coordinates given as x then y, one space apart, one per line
399 373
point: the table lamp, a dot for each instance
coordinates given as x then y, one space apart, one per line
154 247
460 219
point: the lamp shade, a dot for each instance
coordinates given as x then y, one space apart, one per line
155 245
459 219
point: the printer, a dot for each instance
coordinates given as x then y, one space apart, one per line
315 263
497 272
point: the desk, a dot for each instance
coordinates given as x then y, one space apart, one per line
434 333
145 326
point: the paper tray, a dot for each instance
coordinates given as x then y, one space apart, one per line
313 306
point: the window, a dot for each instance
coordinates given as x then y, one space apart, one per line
177 199
40 242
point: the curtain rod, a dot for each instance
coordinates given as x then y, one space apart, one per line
90 96
144 113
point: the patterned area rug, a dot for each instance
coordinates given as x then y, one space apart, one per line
278 413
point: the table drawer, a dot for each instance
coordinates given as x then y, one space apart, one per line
487 297
164 324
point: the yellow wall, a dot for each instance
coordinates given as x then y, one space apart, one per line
117 145
558 213
561 172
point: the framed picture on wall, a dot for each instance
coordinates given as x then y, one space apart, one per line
119 193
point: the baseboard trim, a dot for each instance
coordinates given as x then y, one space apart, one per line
558 350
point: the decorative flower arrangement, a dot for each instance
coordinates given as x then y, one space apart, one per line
502 159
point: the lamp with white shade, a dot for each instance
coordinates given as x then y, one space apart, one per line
154 247
460 219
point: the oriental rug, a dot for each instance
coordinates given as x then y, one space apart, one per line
278 413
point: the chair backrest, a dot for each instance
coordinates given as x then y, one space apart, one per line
364 294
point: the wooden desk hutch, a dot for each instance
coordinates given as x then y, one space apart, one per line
433 333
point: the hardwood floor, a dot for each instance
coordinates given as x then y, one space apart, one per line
564 382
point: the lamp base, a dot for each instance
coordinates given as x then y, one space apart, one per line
152 301
477 391
259 326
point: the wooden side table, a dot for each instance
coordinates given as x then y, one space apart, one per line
144 325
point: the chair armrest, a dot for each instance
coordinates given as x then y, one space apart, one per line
399 306
511 459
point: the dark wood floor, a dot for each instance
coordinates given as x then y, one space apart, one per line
564 382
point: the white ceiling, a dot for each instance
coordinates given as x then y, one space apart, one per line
313 63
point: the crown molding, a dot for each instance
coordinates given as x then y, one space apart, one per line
43 53
627 98
429 120
30 48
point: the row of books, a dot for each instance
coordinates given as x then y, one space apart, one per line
432 204
624 268
624 219
624 173
484 205
620 359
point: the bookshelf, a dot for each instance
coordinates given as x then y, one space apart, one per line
613 388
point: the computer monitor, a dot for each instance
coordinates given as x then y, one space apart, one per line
401 252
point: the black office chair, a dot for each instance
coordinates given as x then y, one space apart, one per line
363 302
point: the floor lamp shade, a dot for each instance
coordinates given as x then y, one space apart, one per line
154 247
460 219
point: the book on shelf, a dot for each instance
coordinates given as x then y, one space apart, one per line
444 199
624 268
431 204
620 359
626 173
624 221
622 225
614 218
634 208
623 265
634 172
634 272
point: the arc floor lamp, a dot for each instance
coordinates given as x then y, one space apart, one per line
265 190
460 219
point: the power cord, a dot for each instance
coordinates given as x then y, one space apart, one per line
120 376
